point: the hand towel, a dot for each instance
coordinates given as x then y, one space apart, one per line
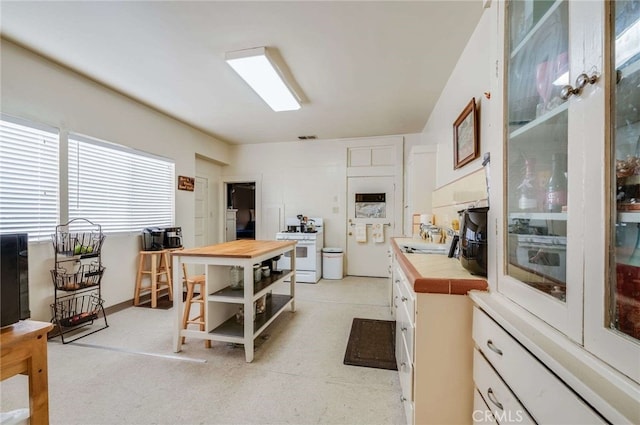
378 233
361 232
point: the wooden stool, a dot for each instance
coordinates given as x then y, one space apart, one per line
159 266
197 299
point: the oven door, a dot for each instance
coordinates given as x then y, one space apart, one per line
305 257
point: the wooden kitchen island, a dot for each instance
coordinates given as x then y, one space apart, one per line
222 303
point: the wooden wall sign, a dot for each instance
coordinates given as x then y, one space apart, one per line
186 183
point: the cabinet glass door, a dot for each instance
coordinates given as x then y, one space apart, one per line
624 288
536 200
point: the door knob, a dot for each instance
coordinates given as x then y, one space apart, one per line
581 82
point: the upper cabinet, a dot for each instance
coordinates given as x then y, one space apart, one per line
568 238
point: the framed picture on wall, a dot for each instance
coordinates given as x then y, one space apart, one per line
466 142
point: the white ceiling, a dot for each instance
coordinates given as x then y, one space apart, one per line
367 68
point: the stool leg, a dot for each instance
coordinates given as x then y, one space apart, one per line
203 320
187 306
154 281
136 293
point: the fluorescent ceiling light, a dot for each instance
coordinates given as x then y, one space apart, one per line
264 77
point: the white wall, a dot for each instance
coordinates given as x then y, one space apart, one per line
36 89
470 78
307 177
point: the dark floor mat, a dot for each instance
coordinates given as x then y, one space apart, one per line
372 344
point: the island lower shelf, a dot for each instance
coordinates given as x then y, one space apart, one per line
260 288
232 331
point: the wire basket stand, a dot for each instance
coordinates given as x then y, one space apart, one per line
78 307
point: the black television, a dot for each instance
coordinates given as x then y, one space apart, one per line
14 278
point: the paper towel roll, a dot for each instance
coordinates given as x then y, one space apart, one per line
426 219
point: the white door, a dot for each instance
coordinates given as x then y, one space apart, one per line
201 215
369 257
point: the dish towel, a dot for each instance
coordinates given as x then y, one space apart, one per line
361 232
378 233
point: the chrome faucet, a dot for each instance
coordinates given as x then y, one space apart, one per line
435 233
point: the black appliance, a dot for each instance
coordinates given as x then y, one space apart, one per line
14 278
172 237
473 240
153 239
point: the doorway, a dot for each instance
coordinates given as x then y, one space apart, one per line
241 198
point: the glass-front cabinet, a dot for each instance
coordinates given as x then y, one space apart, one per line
613 330
624 299
538 204
569 226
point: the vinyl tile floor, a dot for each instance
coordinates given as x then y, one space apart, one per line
129 374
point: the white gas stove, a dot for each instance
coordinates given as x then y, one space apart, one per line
308 250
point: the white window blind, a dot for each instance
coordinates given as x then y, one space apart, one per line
28 178
120 189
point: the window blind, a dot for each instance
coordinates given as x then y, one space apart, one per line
28 178
121 189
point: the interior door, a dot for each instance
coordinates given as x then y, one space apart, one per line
369 257
201 211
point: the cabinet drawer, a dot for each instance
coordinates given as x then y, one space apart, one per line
481 413
405 373
545 397
502 403
405 332
406 295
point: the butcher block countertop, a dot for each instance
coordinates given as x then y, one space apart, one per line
436 273
236 249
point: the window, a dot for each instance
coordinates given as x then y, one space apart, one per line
28 178
119 188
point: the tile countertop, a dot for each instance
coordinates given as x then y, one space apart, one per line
436 273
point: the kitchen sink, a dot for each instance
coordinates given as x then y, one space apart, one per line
424 248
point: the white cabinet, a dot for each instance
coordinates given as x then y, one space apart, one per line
433 352
500 401
230 224
421 181
564 251
504 373
404 313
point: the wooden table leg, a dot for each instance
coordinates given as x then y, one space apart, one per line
38 381
24 351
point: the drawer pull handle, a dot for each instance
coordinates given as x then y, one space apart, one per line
404 299
403 329
403 399
493 347
492 397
